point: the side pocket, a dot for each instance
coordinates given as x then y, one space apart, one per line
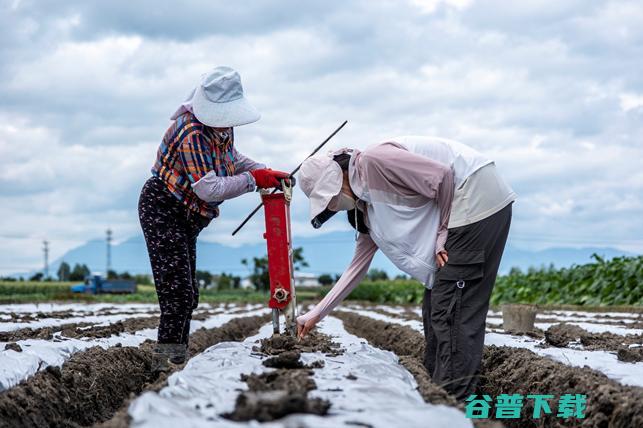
462 269
463 265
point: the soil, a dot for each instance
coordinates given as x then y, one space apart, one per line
80 330
275 394
129 325
561 335
13 346
44 333
94 384
519 371
630 355
313 342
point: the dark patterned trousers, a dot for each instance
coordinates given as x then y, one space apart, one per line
170 231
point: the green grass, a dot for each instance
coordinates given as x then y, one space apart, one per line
617 282
25 292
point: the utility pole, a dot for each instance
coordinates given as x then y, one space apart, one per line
45 249
109 252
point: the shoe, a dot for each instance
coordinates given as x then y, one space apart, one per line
165 353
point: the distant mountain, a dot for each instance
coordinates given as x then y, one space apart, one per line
327 253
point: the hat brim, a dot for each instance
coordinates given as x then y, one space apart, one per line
223 115
328 185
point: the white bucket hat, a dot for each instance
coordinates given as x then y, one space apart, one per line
320 178
218 100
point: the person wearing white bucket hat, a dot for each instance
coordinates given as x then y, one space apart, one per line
197 168
440 212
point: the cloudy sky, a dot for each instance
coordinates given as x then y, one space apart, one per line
552 90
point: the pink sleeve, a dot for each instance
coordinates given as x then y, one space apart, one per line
404 172
365 249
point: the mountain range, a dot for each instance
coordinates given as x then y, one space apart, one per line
327 253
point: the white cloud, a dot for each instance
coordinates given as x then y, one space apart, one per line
631 101
550 90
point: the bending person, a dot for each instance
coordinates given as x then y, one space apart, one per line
441 213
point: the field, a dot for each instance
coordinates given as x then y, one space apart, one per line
88 364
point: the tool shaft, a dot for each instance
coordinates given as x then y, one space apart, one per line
294 171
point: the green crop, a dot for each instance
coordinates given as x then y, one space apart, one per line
615 282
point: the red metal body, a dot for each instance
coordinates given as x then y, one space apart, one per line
278 237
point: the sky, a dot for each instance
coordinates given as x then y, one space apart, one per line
551 90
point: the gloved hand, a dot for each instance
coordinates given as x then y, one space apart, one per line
267 178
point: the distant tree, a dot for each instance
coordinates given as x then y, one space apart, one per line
205 276
64 270
401 276
259 272
36 277
125 275
112 274
377 275
79 272
143 279
325 279
259 275
298 259
228 281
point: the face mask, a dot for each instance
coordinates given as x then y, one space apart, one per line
341 202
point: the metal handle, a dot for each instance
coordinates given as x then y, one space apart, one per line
294 171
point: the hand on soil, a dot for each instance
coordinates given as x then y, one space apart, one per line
303 329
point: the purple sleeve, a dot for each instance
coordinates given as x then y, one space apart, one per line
212 188
365 249
243 163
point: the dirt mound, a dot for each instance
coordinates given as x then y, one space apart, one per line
129 325
282 392
93 384
520 371
313 342
81 329
84 391
271 405
13 346
290 380
45 333
630 355
560 335
403 341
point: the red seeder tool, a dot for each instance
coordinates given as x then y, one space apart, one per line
280 257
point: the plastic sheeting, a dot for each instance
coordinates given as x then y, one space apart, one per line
38 354
383 395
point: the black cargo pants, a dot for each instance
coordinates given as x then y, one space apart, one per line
454 312
170 231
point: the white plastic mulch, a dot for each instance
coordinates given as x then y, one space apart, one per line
382 395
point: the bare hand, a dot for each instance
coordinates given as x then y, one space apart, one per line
304 329
442 258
